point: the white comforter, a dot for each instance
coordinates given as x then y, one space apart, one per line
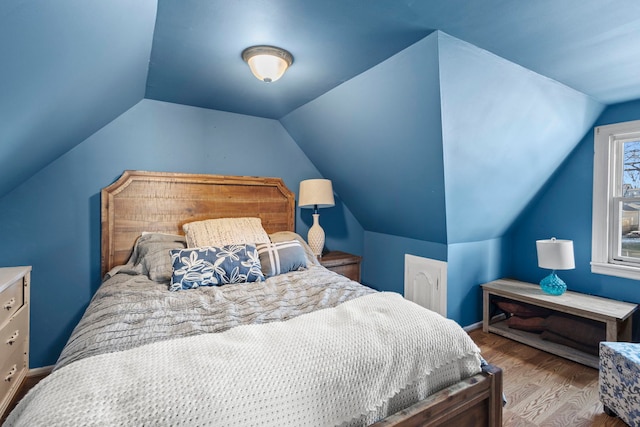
323 368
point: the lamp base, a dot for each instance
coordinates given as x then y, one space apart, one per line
553 285
316 237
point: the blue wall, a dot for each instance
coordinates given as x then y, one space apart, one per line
52 221
468 266
443 143
69 67
383 259
564 209
377 136
505 131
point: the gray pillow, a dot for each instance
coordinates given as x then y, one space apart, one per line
281 257
153 254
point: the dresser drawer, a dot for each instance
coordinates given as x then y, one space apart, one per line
11 299
14 331
13 334
12 365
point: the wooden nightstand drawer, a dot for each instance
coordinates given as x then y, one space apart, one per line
342 263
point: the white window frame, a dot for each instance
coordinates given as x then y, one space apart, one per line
607 150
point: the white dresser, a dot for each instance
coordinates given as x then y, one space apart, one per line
14 330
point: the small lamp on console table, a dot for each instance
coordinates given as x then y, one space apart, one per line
316 193
555 255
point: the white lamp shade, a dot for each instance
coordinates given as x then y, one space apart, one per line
316 192
555 254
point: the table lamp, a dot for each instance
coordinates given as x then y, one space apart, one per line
316 193
555 255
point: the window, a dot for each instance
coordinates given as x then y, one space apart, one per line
616 200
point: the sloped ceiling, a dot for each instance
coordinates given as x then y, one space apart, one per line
505 131
592 46
67 68
443 142
378 137
71 66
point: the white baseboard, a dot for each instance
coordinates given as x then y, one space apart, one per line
478 325
36 372
473 326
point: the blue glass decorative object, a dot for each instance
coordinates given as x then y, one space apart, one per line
553 285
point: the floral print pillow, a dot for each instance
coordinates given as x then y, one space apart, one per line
214 266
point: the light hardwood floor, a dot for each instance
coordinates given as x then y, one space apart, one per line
543 389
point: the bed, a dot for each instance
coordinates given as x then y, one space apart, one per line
304 346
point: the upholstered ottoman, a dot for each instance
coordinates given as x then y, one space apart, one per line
620 380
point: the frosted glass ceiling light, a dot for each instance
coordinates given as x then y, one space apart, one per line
267 63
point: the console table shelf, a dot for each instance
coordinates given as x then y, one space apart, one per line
616 315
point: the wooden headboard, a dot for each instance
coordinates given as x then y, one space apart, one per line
162 202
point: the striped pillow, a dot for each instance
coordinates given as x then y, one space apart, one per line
281 257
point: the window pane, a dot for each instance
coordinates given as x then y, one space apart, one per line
630 230
628 247
631 176
615 243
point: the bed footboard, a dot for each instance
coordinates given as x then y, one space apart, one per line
475 401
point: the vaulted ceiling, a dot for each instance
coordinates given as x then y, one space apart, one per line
71 66
592 46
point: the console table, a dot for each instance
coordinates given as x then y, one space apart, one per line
616 315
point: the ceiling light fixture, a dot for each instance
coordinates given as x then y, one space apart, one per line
267 63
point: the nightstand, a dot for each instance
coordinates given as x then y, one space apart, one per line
342 263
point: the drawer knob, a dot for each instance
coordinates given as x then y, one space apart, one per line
9 304
11 373
13 337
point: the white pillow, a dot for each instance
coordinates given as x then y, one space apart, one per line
225 231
